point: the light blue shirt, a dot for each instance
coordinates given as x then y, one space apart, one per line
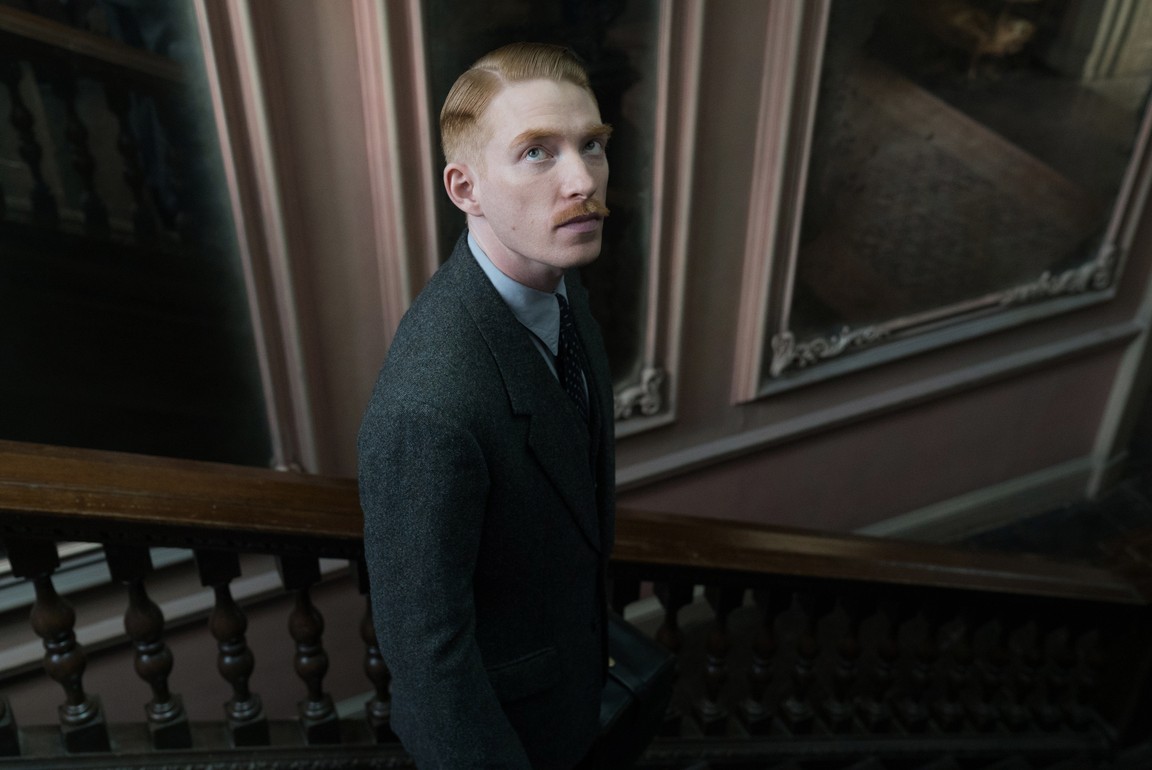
537 310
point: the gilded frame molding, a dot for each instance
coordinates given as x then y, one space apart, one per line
769 355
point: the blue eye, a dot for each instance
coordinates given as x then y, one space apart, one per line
534 153
594 147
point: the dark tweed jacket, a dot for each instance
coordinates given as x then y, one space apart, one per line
488 519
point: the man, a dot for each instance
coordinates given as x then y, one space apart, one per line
486 453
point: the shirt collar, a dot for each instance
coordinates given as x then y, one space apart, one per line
536 309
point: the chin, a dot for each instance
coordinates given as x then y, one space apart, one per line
586 255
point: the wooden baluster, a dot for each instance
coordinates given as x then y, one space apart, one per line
1056 661
948 709
1027 679
1031 670
622 591
378 708
874 710
838 706
912 708
984 675
44 211
143 213
994 674
710 711
183 209
318 718
1009 620
673 597
144 624
82 724
9 732
755 710
1080 709
797 709
247 724
83 162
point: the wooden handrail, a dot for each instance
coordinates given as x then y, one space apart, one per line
84 489
94 49
80 489
675 540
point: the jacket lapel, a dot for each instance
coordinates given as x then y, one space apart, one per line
556 438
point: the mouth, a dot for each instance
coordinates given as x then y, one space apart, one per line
584 215
581 220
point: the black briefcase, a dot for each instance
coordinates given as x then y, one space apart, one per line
639 685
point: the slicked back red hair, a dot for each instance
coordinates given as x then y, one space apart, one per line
461 132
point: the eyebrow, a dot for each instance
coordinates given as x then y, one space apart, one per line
602 130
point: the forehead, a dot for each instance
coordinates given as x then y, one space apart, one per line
544 105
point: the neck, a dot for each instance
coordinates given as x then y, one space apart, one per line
534 275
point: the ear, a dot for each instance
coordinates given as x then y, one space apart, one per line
460 184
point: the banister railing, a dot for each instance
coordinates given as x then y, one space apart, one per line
902 652
22 31
156 500
673 540
128 164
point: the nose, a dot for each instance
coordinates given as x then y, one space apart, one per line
578 179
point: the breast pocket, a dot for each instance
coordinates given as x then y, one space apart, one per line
526 675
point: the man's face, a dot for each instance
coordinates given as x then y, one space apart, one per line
538 180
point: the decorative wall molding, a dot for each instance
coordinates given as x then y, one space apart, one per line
1128 398
238 94
788 353
1096 275
653 392
788 82
400 152
874 406
645 398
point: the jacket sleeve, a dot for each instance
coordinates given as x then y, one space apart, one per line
423 486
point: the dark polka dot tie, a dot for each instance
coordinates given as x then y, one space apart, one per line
569 358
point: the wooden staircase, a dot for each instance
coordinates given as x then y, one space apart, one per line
796 649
